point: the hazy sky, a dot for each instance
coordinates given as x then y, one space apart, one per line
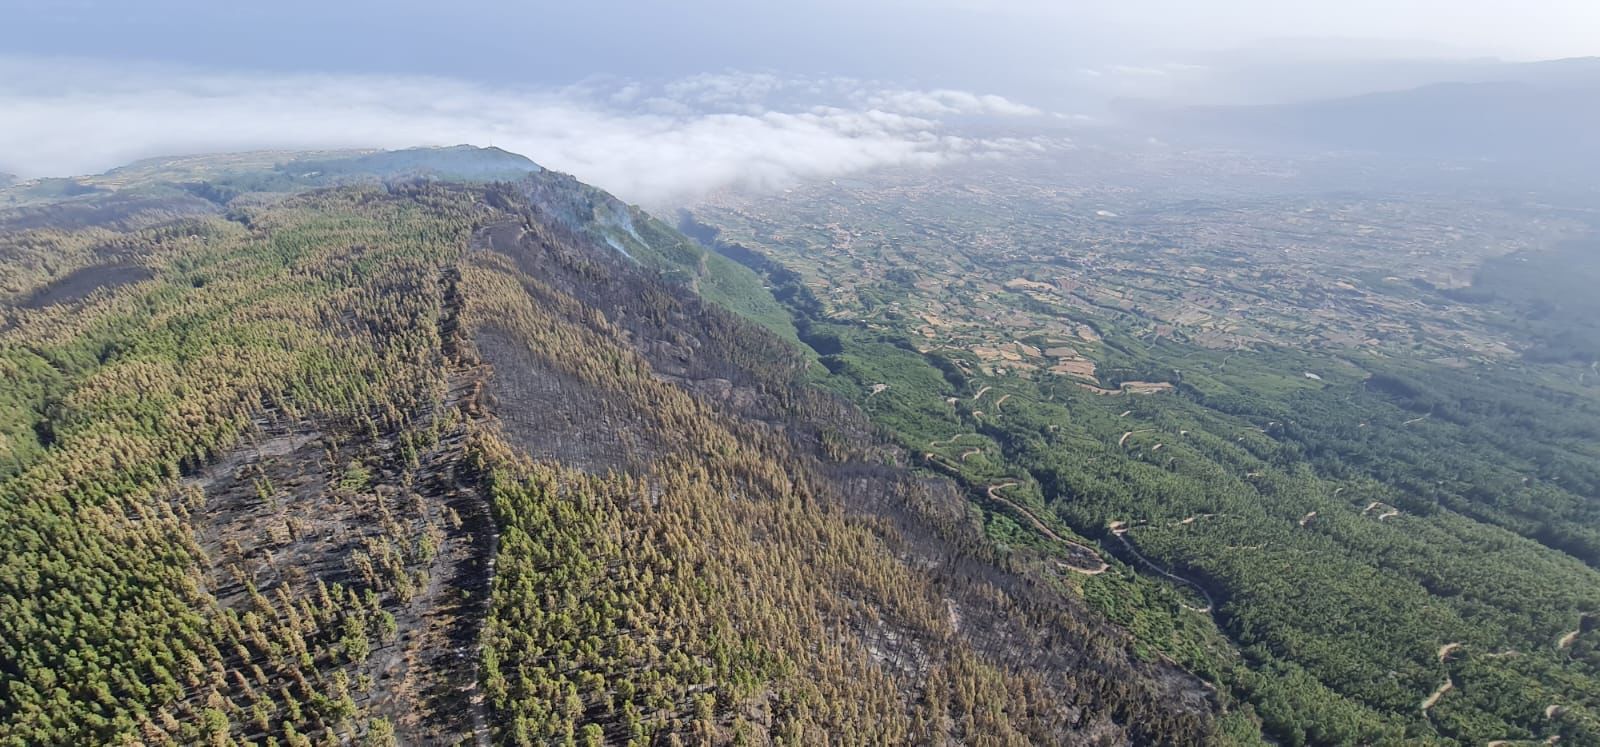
955 42
658 100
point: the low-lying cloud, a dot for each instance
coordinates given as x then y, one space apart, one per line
649 143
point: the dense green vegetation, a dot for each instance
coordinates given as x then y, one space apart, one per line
1362 537
1547 298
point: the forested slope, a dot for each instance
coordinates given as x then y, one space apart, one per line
319 456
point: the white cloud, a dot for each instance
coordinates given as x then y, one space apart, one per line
945 101
716 90
682 139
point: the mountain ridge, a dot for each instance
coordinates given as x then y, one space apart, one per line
424 461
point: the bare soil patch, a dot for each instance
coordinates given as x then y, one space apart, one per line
80 283
555 415
298 503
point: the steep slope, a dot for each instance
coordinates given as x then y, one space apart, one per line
430 462
784 525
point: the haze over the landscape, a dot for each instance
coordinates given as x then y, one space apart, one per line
848 373
663 102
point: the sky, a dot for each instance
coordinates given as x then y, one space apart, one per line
559 41
658 100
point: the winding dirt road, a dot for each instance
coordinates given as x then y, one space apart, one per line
1121 442
1388 512
951 440
1047 531
1119 529
1433 699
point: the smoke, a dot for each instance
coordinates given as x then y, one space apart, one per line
652 143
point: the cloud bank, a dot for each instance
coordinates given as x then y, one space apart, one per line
656 144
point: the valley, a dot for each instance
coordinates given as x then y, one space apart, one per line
1301 381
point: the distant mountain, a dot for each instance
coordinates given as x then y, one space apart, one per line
1285 75
1536 112
220 177
461 162
277 171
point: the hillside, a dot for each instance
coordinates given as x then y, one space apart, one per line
339 447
